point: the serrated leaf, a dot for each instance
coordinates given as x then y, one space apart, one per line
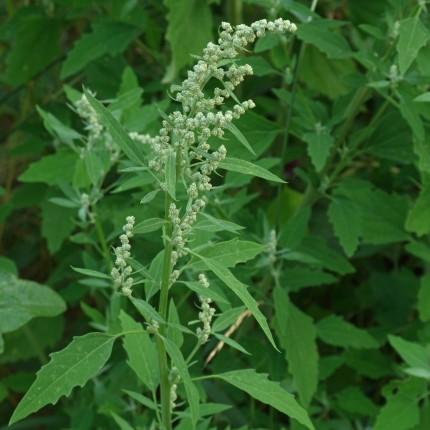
190 389
334 330
401 412
258 386
105 38
297 335
119 135
241 291
345 219
248 168
319 145
413 35
71 367
141 352
22 300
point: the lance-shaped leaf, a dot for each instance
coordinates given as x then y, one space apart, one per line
120 136
258 386
141 352
241 291
71 367
22 300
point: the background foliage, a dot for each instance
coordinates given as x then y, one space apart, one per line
342 115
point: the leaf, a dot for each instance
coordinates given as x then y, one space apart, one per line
413 35
334 330
318 34
319 146
91 273
248 168
119 135
207 222
186 39
401 412
241 291
345 219
229 253
73 366
51 169
303 277
35 46
57 225
294 230
240 137
22 300
418 220
424 298
171 174
209 293
141 352
173 332
297 335
258 386
412 353
423 98
122 423
149 225
106 37
190 389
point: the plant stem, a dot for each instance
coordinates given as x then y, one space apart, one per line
162 308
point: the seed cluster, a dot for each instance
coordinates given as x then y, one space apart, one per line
122 271
206 314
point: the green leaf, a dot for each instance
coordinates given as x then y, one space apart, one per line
130 148
240 137
345 219
148 225
401 412
318 34
73 366
35 46
334 330
248 168
22 300
105 38
141 352
297 335
241 291
258 386
412 353
304 277
190 389
424 298
319 146
173 332
423 98
413 35
57 225
229 253
122 423
354 401
51 169
91 273
171 174
418 220
294 230
207 222
186 39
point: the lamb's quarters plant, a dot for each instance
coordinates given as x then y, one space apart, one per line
198 260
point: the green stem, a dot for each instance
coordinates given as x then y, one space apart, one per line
162 308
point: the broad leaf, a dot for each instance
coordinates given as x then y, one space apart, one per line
258 386
22 300
71 367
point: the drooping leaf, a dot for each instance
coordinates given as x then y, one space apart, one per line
71 367
22 300
334 330
297 335
225 275
248 168
258 386
141 352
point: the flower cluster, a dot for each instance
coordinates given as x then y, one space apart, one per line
122 271
89 115
206 314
